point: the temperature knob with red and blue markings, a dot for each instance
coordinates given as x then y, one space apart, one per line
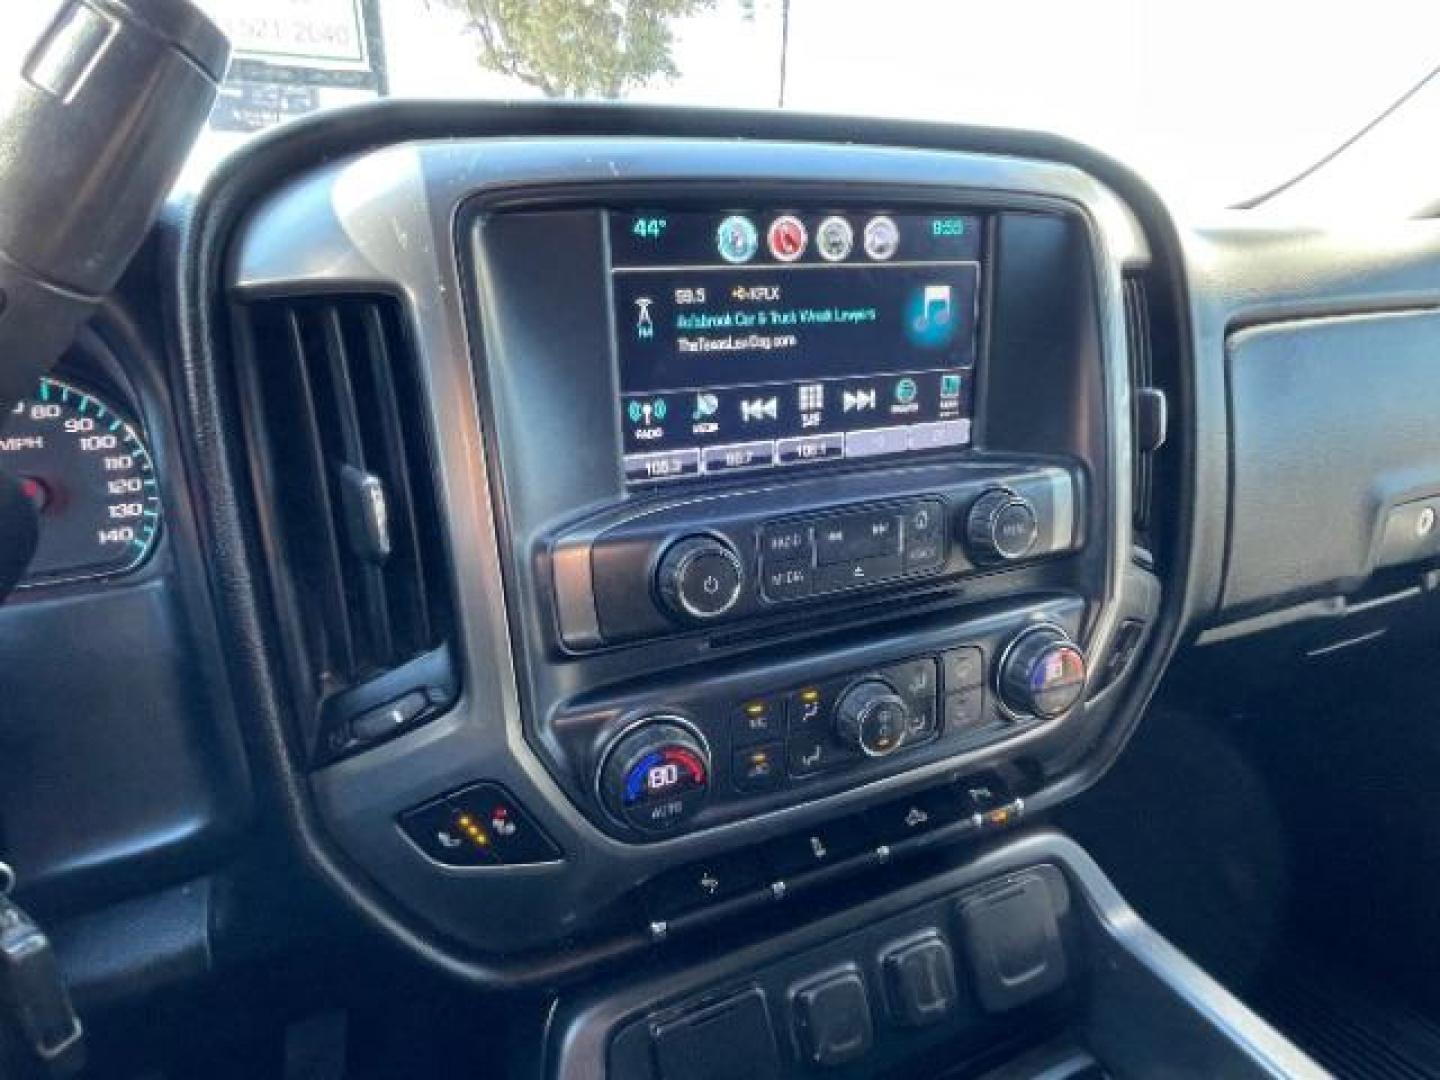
1042 673
656 776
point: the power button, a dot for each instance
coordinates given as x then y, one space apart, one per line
700 577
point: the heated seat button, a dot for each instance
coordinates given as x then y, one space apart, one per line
920 980
913 680
921 724
481 825
832 1018
438 831
514 836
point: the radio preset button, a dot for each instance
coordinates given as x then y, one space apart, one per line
666 465
810 448
737 457
876 442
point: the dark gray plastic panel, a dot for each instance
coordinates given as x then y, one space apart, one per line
386 221
1333 426
1143 1008
1248 270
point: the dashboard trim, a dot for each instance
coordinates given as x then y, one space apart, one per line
205 236
351 225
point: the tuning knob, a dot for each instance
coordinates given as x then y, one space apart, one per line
1001 526
700 578
656 776
1042 673
871 717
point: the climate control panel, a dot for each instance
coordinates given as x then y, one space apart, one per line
704 757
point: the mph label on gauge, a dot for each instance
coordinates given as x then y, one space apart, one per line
91 479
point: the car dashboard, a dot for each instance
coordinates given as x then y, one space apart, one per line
573 536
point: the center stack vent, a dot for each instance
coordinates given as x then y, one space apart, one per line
344 482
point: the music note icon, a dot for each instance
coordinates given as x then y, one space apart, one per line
934 308
931 317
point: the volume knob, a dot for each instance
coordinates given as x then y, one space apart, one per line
700 578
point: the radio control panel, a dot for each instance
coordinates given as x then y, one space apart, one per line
813 556
726 558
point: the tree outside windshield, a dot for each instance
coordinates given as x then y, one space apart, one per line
1213 102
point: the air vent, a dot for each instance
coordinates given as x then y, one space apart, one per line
1139 342
346 497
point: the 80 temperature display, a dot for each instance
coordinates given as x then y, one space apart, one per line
90 476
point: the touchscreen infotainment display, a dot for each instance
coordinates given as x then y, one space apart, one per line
769 339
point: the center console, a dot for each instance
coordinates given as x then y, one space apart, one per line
786 491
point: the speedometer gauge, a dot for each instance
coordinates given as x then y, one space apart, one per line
89 474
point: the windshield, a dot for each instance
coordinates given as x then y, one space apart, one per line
1213 102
